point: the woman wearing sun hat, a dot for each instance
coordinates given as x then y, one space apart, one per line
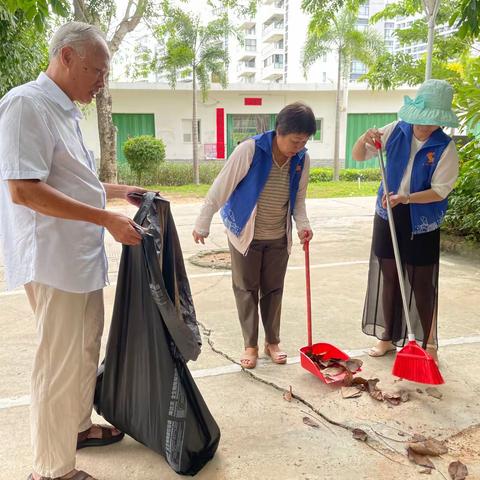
422 167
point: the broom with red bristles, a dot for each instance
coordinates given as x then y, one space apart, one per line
413 362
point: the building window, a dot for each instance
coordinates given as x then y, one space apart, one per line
358 67
357 70
318 134
276 60
187 131
250 31
362 24
324 77
363 11
250 44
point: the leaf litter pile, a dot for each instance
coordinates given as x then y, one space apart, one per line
335 370
419 448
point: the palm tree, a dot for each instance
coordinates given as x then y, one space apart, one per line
338 32
193 50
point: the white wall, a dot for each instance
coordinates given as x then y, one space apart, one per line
171 107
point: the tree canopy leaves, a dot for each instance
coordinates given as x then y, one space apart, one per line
36 11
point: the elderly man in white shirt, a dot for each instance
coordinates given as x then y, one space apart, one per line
53 219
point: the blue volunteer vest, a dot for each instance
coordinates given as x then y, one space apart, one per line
239 207
425 217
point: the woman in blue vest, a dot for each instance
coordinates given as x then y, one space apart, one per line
422 167
262 185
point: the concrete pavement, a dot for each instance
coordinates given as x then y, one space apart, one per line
264 436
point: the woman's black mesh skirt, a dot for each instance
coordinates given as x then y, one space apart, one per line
383 315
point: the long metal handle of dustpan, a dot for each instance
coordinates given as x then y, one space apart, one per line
307 285
393 234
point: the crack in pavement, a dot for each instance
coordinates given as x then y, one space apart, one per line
207 332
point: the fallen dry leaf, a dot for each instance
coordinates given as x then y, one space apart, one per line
392 398
377 395
359 434
351 392
359 381
353 364
347 381
287 394
373 390
308 421
404 396
434 392
417 437
457 471
421 460
431 447
332 371
372 384
427 471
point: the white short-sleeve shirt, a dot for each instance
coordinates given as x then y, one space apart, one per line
40 138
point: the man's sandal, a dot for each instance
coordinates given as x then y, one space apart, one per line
107 438
277 357
80 475
380 352
247 360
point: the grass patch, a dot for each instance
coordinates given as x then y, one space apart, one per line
341 189
315 190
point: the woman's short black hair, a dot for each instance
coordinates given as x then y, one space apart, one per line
296 118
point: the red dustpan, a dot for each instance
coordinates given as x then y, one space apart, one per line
325 350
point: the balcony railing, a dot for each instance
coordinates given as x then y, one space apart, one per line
274 31
272 48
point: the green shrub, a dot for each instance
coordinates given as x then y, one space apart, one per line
144 154
463 215
325 174
365 174
320 174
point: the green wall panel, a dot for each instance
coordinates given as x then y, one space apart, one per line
132 125
242 126
358 123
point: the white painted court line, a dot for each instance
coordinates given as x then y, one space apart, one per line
24 400
227 273
14 402
222 273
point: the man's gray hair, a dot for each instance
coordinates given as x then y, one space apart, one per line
75 35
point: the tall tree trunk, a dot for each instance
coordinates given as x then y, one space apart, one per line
108 136
336 147
196 169
106 129
344 109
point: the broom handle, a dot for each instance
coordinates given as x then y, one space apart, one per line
309 298
391 223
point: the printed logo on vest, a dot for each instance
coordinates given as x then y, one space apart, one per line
298 168
430 158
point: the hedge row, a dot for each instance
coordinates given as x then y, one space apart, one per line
171 174
325 174
181 173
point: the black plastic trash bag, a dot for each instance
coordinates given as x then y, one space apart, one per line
146 389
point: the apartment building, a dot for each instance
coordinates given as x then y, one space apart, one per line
273 42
